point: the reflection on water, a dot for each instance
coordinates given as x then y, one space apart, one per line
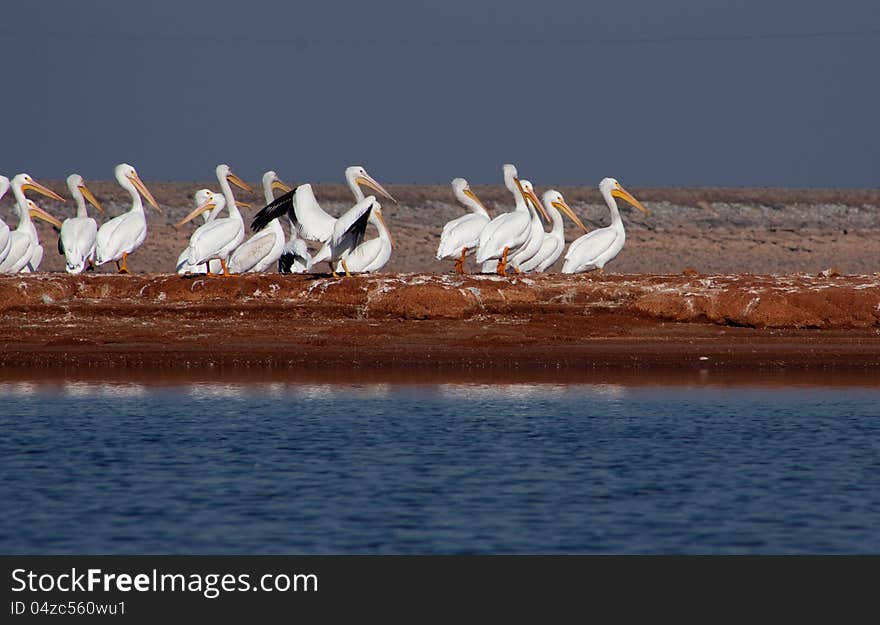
217 391
318 382
260 464
91 389
18 388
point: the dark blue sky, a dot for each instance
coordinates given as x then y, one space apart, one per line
708 92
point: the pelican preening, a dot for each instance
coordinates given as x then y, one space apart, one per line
217 238
594 250
79 234
24 252
122 235
461 236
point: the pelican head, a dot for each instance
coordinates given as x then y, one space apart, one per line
26 183
39 213
463 192
127 175
611 188
224 172
4 186
77 185
272 181
528 192
206 200
358 175
554 198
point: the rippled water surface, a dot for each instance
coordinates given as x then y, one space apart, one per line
438 468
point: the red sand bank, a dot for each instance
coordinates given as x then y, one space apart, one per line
413 320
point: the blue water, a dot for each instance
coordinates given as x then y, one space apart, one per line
225 468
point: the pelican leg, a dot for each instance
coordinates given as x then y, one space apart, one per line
124 267
345 266
502 264
208 269
90 266
459 264
225 268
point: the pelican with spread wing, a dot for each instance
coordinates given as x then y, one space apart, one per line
313 223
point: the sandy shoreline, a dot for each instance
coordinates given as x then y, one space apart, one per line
536 326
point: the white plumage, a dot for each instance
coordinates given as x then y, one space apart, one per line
122 235
24 251
313 223
508 232
202 196
217 238
371 255
596 249
461 236
553 242
79 234
264 248
4 229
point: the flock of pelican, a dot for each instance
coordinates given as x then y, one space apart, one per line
515 239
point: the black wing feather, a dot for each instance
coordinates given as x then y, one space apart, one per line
285 262
353 237
281 205
60 247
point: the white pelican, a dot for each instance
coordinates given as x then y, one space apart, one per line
78 234
203 196
4 229
373 254
122 235
535 238
510 231
25 252
553 242
462 234
217 238
594 250
265 247
309 220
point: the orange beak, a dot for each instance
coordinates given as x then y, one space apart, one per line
138 183
33 185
